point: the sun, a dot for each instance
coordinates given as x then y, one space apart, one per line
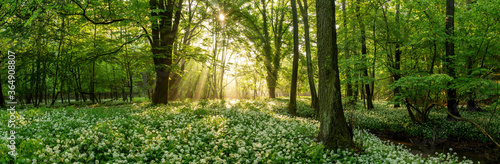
221 17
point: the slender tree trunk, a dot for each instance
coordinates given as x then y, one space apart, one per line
333 131
223 66
61 92
471 102
397 57
450 54
129 72
37 82
374 57
54 95
44 81
310 70
368 96
92 79
349 90
124 95
214 62
292 106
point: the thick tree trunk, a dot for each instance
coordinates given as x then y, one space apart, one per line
292 106
334 131
272 61
164 32
450 53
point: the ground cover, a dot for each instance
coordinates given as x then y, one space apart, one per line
246 131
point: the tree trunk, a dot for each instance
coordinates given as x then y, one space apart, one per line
292 106
128 62
37 82
44 81
397 57
164 32
214 64
175 82
54 95
310 71
334 131
471 102
223 66
450 53
272 61
368 95
396 73
92 79
349 88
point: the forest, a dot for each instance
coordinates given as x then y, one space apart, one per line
249 81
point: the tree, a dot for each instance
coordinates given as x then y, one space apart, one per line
349 89
397 57
165 17
450 54
368 96
191 28
292 107
334 131
257 30
310 70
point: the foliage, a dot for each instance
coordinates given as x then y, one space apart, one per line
421 93
384 117
220 132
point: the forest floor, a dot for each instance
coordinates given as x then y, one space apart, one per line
436 135
215 131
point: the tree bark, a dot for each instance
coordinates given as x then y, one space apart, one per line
334 131
292 106
368 96
450 54
271 61
471 102
310 70
164 32
349 88
54 95
397 59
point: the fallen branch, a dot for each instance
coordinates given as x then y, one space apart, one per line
476 125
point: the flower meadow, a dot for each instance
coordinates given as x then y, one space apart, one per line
218 131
